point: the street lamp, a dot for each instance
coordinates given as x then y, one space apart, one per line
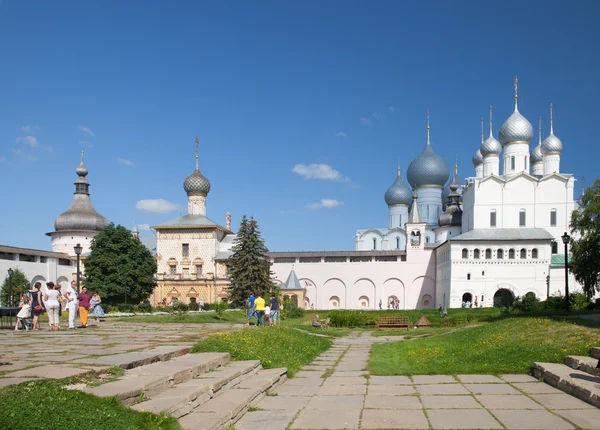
566 238
547 287
78 249
10 273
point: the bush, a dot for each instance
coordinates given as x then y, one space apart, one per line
220 307
528 303
107 308
143 308
194 306
579 301
554 303
124 307
296 313
350 318
181 307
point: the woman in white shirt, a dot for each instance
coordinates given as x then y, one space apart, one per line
52 306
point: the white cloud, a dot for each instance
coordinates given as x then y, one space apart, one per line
366 122
28 140
317 171
378 116
341 134
143 227
86 143
157 206
86 130
392 109
30 129
125 162
326 203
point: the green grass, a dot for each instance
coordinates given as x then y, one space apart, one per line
510 345
273 346
233 316
46 405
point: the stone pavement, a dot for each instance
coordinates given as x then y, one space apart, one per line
50 354
336 392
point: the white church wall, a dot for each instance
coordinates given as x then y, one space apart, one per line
65 241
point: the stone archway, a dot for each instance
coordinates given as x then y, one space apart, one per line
503 298
467 297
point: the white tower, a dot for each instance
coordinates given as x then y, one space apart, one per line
197 187
551 149
537 161
515 135
490 150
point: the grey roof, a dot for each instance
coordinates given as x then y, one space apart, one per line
292 282
505 234
190 221
28 251
370 253
398 193
413 216
223 255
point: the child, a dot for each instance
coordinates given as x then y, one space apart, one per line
267 315
23 314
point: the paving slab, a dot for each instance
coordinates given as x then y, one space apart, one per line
393 419
265 420
491 389
333 403
390 380
494 401
341 390
478 379
49 372
304 381
309 374
434 379
539 420
441 389
518 378
391 390
298 390
342 380
318 368
462 419
204 420
561 401
584 418
450 402
292 403
348 373
538 388
392 402
351 367
331 419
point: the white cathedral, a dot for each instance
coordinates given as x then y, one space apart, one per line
493 238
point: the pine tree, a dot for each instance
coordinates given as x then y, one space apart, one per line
120 267
19 284
249 266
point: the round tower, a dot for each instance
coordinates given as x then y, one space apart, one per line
197 187
551 149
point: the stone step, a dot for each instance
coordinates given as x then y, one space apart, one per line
575 382
596 352
583 363
232 404
184 396
130 360
146 382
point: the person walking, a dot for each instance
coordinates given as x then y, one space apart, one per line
259 305
72 303
84 305
274 310
52 306
250 305
95 306
37 305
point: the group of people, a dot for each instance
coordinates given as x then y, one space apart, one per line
35 302
469 304
265 313
392 303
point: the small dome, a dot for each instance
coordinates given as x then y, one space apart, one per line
398 193
196 183
536 155
551 144
491 147
477 158
81 170
428 168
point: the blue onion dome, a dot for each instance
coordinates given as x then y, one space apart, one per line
551 144
516 128
196 183
477 158
398 193
428 168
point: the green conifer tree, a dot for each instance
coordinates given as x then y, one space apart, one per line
19 284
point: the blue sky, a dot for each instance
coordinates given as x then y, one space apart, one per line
267 86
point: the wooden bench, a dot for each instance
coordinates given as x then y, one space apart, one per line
393 321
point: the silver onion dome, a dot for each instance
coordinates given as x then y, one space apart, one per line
536 154
491 146
428 168
196 183
516 128
551 144
477 158
398 193
81 215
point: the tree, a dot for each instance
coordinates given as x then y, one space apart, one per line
120 267
585 242
249 266
20 284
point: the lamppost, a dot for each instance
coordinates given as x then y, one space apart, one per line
10 273
78 250
566 238
547 287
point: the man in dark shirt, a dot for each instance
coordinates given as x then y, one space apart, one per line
274 310
84 305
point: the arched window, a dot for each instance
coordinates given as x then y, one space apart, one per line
426 300
468 276
523 253
465 253
374 243
554 247
512 163
534 253
511 254
553 218
397 242
488 254
522 218
500 254
476 255
493 218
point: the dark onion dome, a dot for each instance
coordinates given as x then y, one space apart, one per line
453 213
516 128
196 183
551 144
428 168
491 146
81 215
398 193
